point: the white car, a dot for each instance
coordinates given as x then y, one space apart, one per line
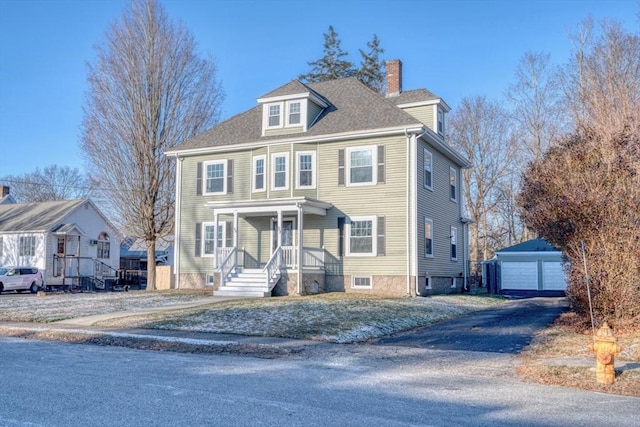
21 279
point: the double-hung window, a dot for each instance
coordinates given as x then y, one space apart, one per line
259 163
453 184
362 240
103 249
362 163
428 168
454 243
209 235
280 171
306 177
27 246
294 113
274 115
428 237
215 182
440 121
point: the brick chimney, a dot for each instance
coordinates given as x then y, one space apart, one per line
394 77
4 190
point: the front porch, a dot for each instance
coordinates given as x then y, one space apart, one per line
267 248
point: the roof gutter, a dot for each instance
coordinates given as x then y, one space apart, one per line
315 139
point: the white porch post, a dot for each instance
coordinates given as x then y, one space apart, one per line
235 237
216 221
299 251
279 228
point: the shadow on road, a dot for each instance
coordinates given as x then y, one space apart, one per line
508 328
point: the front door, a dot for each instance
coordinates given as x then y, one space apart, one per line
287 234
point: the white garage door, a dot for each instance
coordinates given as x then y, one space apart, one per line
553 276
520 275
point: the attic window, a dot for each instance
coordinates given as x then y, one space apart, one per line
440 121
274 115
294 113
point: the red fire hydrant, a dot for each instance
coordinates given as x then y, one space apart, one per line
605 348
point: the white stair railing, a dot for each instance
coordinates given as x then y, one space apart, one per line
313 257
272 269
227 265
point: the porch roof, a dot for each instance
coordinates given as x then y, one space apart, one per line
271 206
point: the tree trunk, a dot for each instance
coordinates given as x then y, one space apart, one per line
151 265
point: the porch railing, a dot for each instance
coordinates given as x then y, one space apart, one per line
227 265
313 257
272 269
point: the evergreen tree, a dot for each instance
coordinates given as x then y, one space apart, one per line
371 71
333 65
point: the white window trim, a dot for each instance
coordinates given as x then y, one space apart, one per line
262 157
430 221
374 237
353 282
454 173
273 171
374 165
303 110
439 119
313 169
203 239
205 177
453 239
424 183
428 282
265 116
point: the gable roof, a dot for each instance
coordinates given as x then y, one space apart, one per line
533 245
36 217
352 107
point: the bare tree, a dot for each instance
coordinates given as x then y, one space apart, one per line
51 183
535 97
601 82
480 129
148 91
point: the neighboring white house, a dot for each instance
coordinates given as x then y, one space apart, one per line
533 267
70 239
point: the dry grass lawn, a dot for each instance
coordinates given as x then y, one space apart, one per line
559 355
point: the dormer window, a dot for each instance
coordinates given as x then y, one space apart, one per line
440 121
294 113
274 115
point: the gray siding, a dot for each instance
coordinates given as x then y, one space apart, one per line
445 213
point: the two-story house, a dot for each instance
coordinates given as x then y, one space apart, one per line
324 187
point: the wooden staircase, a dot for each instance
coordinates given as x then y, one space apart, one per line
246 283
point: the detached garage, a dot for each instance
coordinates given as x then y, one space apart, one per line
531 267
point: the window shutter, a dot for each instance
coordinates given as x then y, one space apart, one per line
381 176
341 169
199 179
198 238
381 238
228 241
230 176
341 221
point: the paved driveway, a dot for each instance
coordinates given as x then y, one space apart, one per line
505 329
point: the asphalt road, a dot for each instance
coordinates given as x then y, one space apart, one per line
59 384
507 329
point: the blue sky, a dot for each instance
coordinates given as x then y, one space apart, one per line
456 49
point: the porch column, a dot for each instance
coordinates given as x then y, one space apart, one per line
216 220
299 251
279 228
235 237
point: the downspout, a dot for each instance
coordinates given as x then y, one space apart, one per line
411 205
177 219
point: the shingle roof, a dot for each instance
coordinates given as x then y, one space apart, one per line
294 87
353 107
534 245
35 217
411 96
